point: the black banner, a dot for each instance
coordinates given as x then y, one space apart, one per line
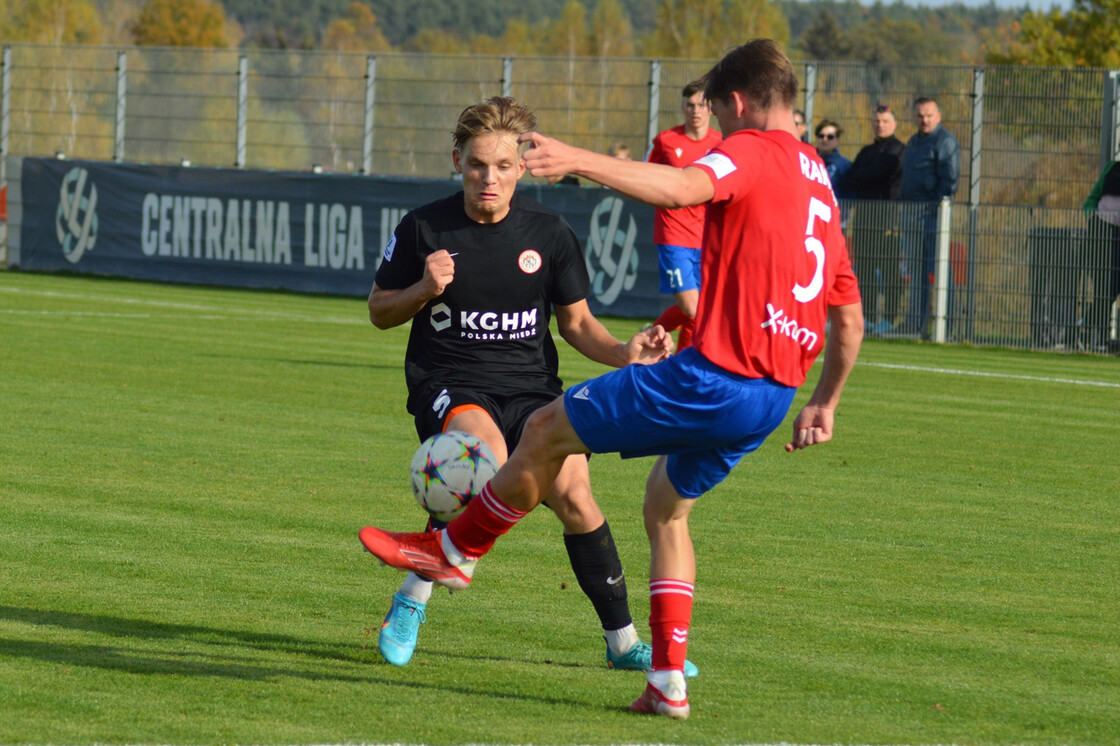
321 233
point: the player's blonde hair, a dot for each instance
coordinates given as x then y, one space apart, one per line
495 114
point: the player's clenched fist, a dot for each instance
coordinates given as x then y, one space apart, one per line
439 271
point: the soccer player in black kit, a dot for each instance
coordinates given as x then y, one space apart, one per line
479 274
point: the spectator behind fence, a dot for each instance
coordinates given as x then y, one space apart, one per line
874 178
619 150
801 125
1102 258
828 148
930 171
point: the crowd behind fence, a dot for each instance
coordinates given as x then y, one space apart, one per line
1033 141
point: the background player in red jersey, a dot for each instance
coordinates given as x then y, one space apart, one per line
678 232
479 273
775 269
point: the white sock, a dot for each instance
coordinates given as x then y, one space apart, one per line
670 683
621 640
417 588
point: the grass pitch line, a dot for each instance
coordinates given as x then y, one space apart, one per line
983 374
217 312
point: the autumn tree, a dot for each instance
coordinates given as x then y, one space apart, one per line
356 31
567 36
184 23
1088 35
51 21
611 34
704 29
824 40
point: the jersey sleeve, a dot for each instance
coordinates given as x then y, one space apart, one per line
728 165
401 264
656 151
570 282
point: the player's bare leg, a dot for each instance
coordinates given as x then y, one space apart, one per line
448 557
672 576
400 631
597 567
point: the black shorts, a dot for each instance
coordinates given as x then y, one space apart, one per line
436 404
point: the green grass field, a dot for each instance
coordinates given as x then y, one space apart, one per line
184 472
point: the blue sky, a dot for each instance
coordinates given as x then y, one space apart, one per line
1034 4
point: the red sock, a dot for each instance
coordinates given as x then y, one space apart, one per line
684 339
670 614
481 523
671 318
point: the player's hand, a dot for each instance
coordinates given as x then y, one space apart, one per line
650 345
548 157
812 426
439 271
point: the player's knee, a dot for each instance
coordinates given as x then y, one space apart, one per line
538 435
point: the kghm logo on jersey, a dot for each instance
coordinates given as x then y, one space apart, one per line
487 325
75 221
529 261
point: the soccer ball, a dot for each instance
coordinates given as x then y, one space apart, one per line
448 470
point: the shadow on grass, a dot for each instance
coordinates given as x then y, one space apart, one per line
236 666
294 361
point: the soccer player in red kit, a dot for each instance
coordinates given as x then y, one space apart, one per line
678 233
775 269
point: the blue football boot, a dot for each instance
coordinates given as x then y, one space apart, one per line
640 658
399 631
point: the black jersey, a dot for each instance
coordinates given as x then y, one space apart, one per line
490 327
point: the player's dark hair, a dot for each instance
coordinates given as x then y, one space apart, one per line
924 100
690 90
495 114
759 70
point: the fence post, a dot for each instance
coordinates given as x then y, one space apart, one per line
653 122
942 279
118 141
1110 118
974 183
507 76
810 94
242 108
5 111
367 124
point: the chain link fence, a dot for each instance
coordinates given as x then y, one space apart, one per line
1033 142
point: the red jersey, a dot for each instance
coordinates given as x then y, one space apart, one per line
774 257
685 226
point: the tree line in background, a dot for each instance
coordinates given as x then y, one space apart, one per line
1087 34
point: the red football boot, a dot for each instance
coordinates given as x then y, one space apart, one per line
429 554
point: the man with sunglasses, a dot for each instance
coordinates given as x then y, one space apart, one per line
828 148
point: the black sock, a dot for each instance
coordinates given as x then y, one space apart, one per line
598 569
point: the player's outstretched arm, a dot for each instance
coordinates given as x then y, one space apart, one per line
813 424
389 308
653 183
579 328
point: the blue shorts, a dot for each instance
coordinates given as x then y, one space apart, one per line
679 267
700 415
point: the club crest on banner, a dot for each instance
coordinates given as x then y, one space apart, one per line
612 258
76 219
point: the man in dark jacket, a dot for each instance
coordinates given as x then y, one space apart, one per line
874 178
930 171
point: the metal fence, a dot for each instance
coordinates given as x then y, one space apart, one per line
1032 140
